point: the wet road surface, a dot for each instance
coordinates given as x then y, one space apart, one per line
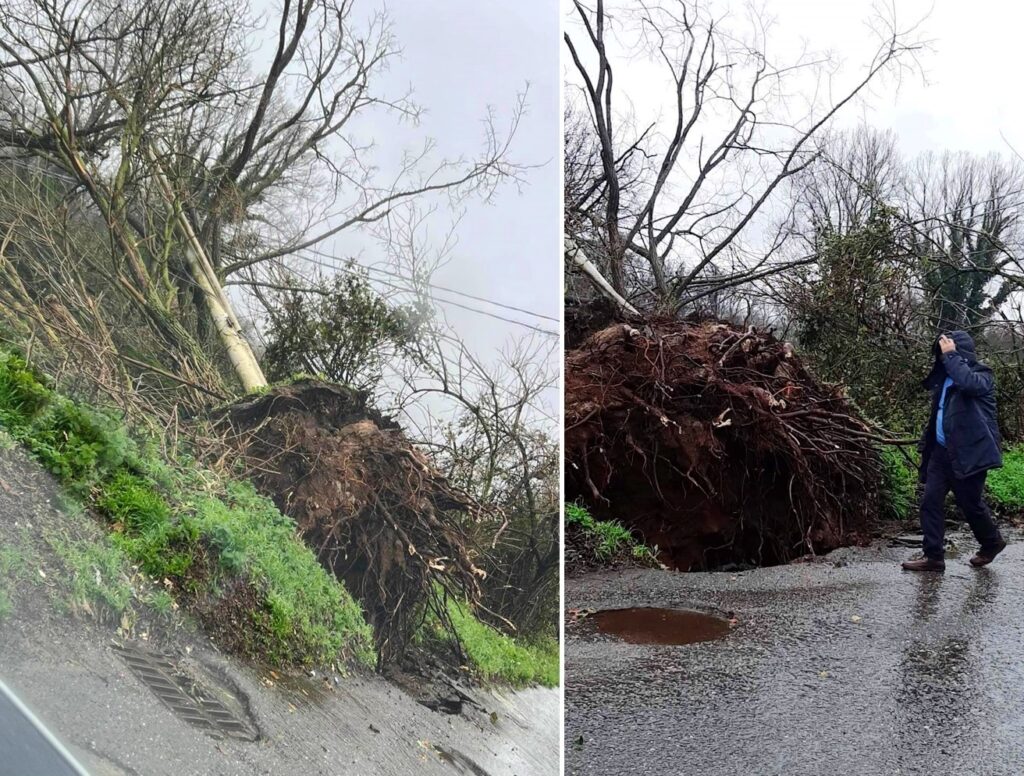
167 703
847 666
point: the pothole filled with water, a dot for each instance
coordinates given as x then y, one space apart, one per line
650 625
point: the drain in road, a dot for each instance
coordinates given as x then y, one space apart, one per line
198 702
648 625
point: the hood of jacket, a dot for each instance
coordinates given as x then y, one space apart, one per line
964 346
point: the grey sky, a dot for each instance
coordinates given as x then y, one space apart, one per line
960 99
462 59
966 98
461 56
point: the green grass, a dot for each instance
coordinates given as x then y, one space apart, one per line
13 565
307 612
214 540
496 657
1006 485
611 536
99 575
161 602
899 484
13 570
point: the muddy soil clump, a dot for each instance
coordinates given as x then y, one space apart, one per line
716 444
378 514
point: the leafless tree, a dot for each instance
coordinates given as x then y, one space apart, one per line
183 143
957 219
731 138
967 230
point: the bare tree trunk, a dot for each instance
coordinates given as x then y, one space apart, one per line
243 360
573 251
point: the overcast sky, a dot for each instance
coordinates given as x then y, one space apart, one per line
962 100
462 58
970 92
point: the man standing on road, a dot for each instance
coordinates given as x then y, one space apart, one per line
960 444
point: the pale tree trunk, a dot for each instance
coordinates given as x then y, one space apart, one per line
243 360
577 257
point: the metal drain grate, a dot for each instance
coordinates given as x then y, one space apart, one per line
185 695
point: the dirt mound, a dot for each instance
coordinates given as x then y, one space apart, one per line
583 554
715 444
371 505
583 318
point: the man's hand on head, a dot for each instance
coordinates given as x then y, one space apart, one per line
946 345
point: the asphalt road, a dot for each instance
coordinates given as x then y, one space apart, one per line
80 675
849 666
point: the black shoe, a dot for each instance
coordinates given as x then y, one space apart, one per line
924 564
984 557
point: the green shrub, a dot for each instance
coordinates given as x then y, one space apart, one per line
1006 485
22 392
899 484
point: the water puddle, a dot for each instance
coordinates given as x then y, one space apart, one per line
648 625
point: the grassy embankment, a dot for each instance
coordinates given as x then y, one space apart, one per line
212 545
1004 487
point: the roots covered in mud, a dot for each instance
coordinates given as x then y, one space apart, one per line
371 505
716 444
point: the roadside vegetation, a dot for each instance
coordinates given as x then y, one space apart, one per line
1006 485
493 656
899 485
593 542
209 545
224 552
157 269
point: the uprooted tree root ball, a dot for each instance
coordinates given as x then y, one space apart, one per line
373 508
716 444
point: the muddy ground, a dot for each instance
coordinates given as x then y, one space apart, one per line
153 696
848 666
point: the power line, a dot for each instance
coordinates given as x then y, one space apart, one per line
407 289
443 288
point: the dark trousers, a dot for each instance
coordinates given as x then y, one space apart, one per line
968 493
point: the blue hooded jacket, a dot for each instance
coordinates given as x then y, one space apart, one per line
969 417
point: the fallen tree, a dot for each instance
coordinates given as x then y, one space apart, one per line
373 508
716 444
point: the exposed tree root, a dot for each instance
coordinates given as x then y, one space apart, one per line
371 505
716 444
